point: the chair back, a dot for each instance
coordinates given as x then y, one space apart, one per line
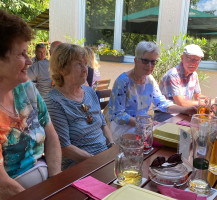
102 84
103 96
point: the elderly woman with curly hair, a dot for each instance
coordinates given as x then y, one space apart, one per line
74 108
26 132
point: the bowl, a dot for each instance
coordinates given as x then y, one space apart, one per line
170 176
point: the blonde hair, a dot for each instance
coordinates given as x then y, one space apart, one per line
61 58
93 63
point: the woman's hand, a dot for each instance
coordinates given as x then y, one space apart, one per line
74 153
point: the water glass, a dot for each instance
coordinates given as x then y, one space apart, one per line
144 127
204 104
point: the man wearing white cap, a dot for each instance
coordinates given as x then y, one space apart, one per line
181 83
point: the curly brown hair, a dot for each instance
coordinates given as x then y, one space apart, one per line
12 28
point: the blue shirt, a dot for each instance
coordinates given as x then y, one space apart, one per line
129 99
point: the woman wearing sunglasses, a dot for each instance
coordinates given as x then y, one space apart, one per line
74 108
135 90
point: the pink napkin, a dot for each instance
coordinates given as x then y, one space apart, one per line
184 123
93 187
179 194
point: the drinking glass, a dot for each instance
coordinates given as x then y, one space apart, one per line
203 131
144 127
204 104
128 164
214 107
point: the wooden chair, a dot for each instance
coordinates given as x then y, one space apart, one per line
103 94
102 84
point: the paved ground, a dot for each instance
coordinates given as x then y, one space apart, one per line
112 70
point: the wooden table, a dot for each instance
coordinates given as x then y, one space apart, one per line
100 167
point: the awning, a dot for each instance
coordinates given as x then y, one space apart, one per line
41 21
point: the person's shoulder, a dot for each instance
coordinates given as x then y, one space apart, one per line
43 62
123 77
88 89
26 85
151 79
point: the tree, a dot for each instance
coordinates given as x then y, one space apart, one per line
26 9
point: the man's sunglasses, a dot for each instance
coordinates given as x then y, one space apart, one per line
88 114
147 61
172 161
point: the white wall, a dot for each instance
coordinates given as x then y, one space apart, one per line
172 20
64 20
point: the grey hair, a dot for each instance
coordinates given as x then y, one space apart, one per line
39 45
144 46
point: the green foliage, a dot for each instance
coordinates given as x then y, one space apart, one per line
74 41
105 49
171 57
26 9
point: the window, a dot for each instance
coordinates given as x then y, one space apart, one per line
99 23
202 23
140 20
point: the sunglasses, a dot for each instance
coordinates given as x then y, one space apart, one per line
147 61
172 161
85 108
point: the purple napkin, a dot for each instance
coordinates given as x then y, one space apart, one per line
184 123
93 187
179 194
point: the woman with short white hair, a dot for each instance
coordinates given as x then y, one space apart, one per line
135 90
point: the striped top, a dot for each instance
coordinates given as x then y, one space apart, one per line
70 121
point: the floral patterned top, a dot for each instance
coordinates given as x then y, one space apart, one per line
22 137
129 99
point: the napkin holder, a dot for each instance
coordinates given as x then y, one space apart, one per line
168 134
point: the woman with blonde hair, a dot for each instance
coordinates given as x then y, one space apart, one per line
74 108
93 68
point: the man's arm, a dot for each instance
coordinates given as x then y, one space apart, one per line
52 151
8 186
184 110
181 101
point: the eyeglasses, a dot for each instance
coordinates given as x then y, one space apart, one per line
147 61
172 161
193 60
85 108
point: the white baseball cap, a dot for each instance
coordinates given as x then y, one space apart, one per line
194 50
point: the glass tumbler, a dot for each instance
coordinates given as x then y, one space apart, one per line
144 127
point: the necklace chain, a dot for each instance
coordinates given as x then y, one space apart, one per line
9 112
136 79
73 97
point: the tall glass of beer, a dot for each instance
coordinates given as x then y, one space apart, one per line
204 104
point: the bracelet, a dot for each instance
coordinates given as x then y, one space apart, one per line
110 144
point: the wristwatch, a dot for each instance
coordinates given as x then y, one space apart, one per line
110 144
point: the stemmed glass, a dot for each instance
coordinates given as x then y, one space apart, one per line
203 131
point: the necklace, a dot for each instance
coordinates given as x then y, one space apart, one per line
136 79
134 75
9 112
71 96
